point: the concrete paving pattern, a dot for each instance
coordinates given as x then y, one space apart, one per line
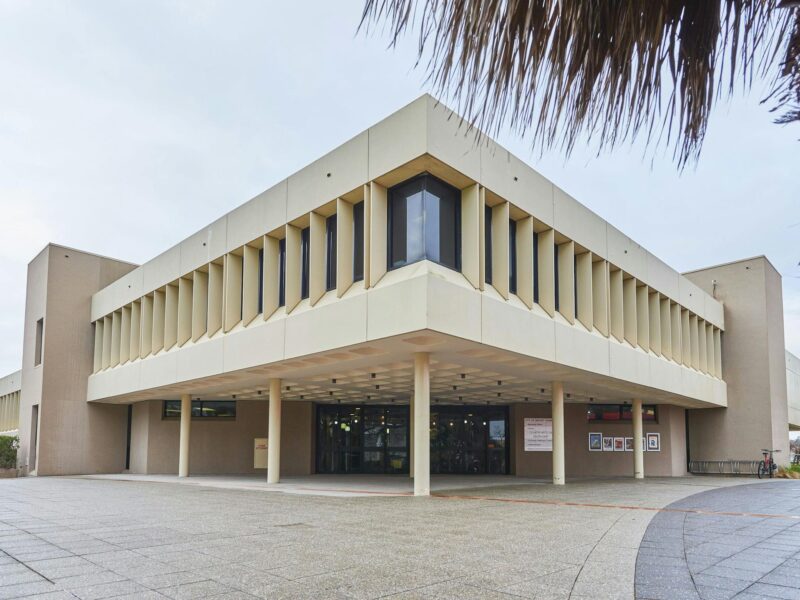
741 542
98 538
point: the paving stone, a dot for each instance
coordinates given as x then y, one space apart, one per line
726 555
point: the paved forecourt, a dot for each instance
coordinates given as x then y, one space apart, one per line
94 538
741 542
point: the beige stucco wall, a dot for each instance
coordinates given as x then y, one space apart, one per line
581 462
793 389
73 436
753 365
221 446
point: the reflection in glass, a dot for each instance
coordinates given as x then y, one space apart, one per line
424 223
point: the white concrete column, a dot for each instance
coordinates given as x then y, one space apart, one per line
274 441
557 407
186 426
638 453
422 420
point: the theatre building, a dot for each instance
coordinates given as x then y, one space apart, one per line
416 302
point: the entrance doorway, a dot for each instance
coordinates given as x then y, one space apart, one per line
376 439
469 440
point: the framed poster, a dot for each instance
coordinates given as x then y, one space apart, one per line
538 435
595 442
608 444
629 444
654 442
619 444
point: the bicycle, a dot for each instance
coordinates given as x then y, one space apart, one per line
767 466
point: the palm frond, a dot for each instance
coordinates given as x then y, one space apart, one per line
608 69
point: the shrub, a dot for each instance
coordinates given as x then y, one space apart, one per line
8 451
790 472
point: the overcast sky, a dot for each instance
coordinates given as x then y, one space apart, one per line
126 126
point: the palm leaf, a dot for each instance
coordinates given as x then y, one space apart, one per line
607 69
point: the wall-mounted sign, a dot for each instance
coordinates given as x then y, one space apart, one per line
260 453
538 435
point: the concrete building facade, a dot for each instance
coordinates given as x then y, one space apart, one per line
416 301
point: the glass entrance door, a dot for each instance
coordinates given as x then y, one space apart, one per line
469 440
375 439
362 439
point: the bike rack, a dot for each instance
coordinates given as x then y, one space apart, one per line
723 467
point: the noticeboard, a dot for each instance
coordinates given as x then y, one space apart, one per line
538 435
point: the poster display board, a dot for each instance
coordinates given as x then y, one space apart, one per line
538 435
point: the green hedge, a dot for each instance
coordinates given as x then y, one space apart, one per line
8 451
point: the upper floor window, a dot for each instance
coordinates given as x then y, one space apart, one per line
37 351
512 256
282 272
358 241
487 243
424 223
260 280
330 252
304 258
536 267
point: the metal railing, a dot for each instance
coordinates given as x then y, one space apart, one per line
723 467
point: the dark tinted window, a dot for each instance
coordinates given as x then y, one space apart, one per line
218 409
555 269
424 223
487 238
512 256
535 267
358 241
330 253
282 274
305 235
261 280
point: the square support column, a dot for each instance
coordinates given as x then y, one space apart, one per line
274 435
557 407
422 419
186 426
638 453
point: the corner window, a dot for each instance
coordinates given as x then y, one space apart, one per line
424 223
202 409
358 241
330 253
305 234
37 354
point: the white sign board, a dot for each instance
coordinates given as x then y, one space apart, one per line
260 453
538 435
